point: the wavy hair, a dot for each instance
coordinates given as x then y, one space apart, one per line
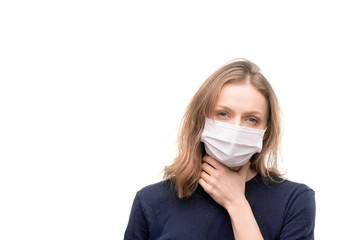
185 170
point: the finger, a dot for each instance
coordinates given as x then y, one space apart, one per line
244 169
207 168
212 161
205 176
207 187
203 184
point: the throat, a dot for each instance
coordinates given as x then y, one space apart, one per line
249 175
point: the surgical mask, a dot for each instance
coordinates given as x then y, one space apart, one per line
230 144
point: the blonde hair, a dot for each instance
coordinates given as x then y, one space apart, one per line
185 170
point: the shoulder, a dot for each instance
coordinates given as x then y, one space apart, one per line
299 200
298 195
295 190
156 193
282 185
145 209
299 192
288 205
294 187
156 188
280 193
300 211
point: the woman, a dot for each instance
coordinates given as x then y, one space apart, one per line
224 182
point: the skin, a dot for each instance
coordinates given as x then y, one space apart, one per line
239 104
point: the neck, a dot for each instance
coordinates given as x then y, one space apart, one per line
249 175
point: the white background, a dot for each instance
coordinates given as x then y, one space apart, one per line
92 93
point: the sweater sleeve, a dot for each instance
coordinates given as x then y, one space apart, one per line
299 221
137 228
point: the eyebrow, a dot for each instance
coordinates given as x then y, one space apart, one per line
247 113
224 107
254 113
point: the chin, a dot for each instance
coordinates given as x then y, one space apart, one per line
235 168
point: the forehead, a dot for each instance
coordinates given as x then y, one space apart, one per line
242 97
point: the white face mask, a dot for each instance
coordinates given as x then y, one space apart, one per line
230 144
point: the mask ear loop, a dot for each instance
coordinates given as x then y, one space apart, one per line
264 134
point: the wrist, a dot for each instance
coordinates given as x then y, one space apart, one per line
238 204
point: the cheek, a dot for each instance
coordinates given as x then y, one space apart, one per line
264 125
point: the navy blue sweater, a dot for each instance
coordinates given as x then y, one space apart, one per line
283 210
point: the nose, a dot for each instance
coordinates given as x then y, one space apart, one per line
236 121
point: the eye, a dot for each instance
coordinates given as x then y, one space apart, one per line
222 114
252 120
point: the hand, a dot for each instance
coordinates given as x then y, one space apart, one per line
225 186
